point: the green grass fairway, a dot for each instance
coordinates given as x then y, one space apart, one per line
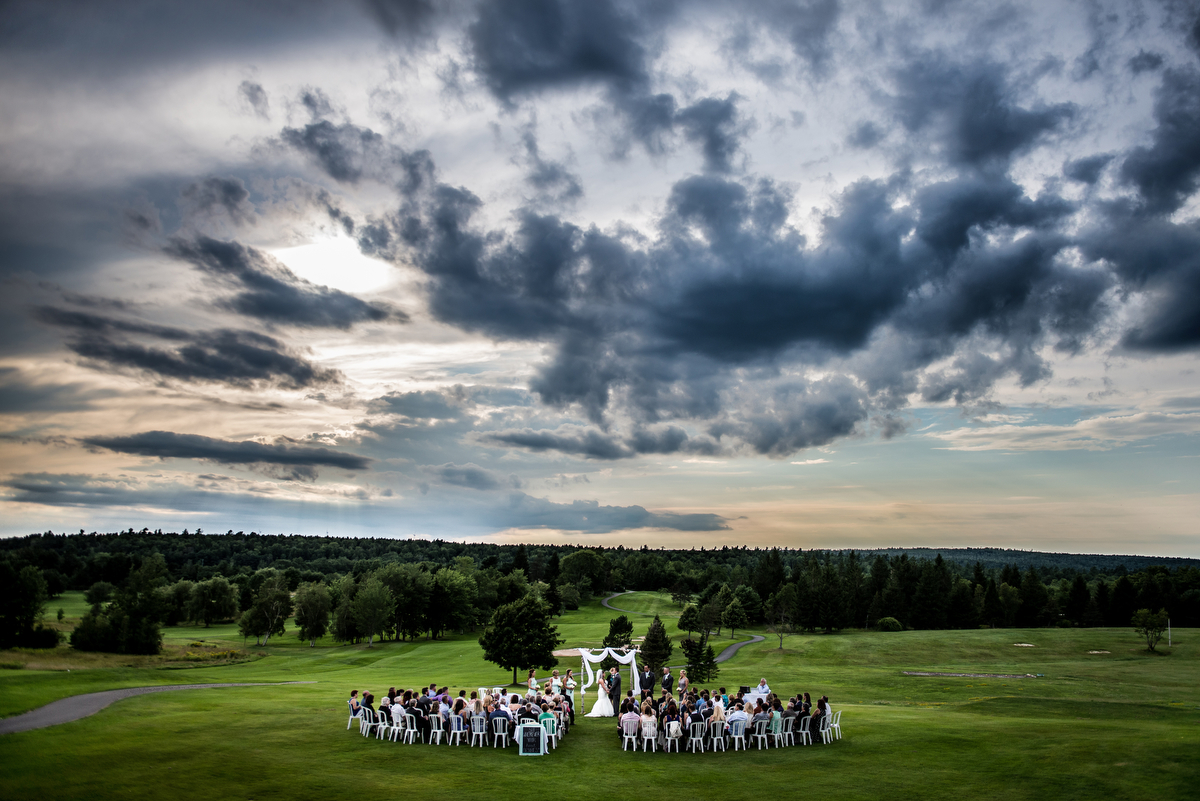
1119 725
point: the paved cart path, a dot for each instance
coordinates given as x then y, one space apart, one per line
64 710
725 655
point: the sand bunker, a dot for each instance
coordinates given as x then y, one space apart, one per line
1099 652
1024 645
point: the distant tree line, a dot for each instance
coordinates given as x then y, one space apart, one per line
363 589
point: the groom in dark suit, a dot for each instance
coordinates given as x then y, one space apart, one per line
614 688
646 680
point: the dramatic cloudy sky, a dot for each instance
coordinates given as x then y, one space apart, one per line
802 272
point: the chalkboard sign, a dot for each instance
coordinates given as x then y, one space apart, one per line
531 740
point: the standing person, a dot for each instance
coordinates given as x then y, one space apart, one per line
603 708
666 679
569 685
531 685
614 687
555 683
646 680
683 683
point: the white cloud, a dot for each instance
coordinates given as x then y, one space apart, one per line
1095 433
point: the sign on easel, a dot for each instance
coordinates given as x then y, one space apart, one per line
531 740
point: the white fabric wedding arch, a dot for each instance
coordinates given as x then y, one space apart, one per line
625 657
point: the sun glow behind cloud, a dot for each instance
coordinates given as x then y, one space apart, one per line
337 262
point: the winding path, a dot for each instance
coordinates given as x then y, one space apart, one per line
724 656
64 710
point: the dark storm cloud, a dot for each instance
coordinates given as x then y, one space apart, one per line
551 180
256 96
471 476
271 292
973 109
715 126
1166 173
349 153
525 511
228 195
1088 169
656 325
21 396
865 135
1162 260
298 461
1145 62
573 440
238 358
523 47
402 17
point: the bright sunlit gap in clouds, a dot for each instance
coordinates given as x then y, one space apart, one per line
338 263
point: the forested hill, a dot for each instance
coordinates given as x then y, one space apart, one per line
82 559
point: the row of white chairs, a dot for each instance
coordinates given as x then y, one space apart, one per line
713 734
406 729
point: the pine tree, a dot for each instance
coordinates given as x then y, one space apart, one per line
656 647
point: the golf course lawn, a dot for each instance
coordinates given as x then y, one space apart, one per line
1123 724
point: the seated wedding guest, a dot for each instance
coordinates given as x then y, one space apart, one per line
355 706
500 711
368 700
723 697
385 709
815 722
738 713
718 716
790 712
391 694
762 687
514 704
629 715
828 706
648 713
526 713
670 716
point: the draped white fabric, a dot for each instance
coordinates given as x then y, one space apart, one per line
591 657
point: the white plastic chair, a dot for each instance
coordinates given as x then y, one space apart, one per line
436 728
629 734
383 724
737 734
411 730
478 731
397 727
561 721
551 727
366 722
649 735
787 732
458 728
760 734
674 735
826 732
353 717
836 724
500 732
801 730
696 732
716 734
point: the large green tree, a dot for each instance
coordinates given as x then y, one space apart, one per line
23 597
313 604
520 636
735 617
212 600
373 607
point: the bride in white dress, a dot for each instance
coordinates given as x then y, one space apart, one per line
603 707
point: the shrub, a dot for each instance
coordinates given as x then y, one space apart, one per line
889 624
